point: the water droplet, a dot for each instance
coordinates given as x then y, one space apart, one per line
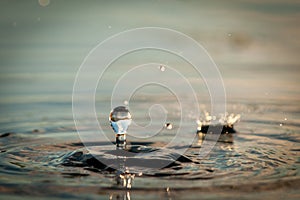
280 124
285 119
44 2
229 34
109 27
168 126
120 119
162 68
126 103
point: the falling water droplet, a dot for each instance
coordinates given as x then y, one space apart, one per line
280 124
162 68
120 119
168 126
126 103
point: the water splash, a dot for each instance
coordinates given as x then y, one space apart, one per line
213 125
224 120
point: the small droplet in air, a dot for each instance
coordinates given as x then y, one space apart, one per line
120 119
168 126
126 103
44 2
285 119
162 68
109 27
229 34
280 124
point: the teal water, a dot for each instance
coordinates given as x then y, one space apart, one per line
255 46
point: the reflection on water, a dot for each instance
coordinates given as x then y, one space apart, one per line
261 156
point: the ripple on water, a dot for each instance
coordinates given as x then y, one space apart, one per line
261 157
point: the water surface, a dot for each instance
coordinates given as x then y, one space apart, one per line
255 46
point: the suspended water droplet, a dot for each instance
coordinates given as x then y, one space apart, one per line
285 119
126 103
280 124
120 119
162 68
168 126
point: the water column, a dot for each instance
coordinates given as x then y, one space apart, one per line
120 119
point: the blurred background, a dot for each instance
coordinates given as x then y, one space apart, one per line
43 42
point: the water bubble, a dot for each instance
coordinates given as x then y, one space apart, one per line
120 119
44 2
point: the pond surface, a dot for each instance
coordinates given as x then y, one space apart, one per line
255 47
48 159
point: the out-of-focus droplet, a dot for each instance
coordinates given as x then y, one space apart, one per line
168 126
280 124
109 27
162 68
285 119
44 2
126 103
